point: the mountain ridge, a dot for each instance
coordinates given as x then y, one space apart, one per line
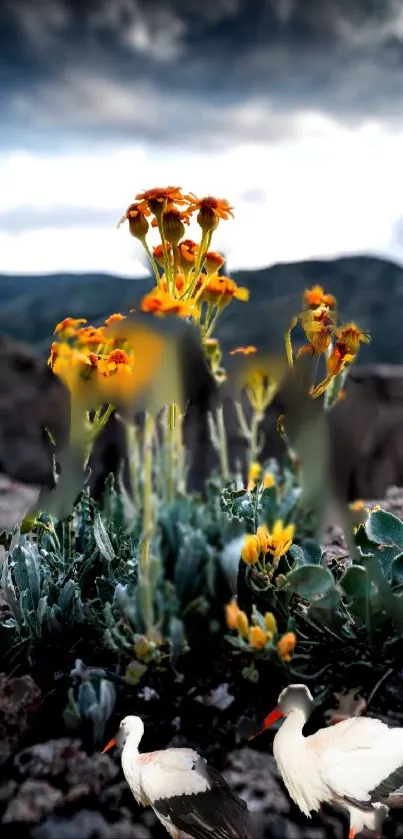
369 290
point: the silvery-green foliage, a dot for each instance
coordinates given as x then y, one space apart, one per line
92 699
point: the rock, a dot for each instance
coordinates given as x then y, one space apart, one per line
20 701
15 500
34 800
254 777
66 760
33 402
88 824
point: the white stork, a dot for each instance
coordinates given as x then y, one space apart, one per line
356 764
185 793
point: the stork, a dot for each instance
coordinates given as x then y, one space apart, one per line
356 764
185 793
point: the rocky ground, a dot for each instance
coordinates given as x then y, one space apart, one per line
57 790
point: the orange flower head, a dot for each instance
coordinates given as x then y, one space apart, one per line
220 290
158 254
157 199
159 302
138 224
338 358
243 350
114 319
213 261
68 327
257 637
286 645
188 251
315 296
251 549
90 335
210 211
352 336
231 614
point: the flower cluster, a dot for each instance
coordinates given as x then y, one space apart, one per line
340 343
265 547
188 279
261 634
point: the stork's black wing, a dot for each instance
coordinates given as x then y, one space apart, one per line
217 813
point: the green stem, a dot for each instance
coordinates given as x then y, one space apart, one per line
132 448
212 323
204 246
147 495
167 261
222 442
171 451
153 262
254 436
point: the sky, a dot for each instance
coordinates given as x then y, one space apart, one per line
290 109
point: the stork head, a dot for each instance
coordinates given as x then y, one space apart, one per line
292 698
132 727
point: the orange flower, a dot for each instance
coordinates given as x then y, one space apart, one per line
91 335
118 361
211 210
280 539
157 199
180 283
114 319
159 302
257 637
315 296
138 224
263 536
231 614
319 329
158 253
188 251
68 326
213 261
243 350
220 290
352 336
286 645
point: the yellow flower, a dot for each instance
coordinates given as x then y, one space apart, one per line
286 645
251 549
257 638
356 505
270 623
280 539
231 614
254 472
242 623
269 480
263 536
114 318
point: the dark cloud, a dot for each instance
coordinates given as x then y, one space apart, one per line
155 68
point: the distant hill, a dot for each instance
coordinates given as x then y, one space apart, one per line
369 290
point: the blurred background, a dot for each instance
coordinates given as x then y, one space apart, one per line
291 109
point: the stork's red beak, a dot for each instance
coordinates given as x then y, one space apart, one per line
109 745
272 718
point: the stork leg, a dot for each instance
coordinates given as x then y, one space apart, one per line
352 832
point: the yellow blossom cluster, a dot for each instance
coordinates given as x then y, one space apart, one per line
262 632
100 363
275 543
188 279
255 477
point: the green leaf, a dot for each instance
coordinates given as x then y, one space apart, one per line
308 553
397 570
384 529
102 539
355 582
314 583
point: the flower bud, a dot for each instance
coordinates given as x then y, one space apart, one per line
257 637
270 622
242 624
173 226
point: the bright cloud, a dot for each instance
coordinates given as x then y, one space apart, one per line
327 190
